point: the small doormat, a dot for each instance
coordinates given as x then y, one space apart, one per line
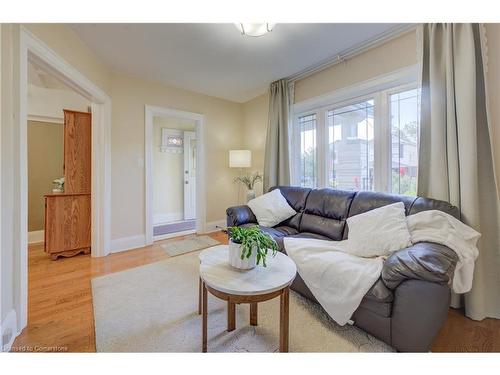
189 244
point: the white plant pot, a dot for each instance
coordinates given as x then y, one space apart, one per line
235 257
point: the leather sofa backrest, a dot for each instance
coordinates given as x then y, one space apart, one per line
424 204
326 211
368 200
296 197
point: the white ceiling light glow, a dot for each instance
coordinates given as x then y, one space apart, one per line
254 29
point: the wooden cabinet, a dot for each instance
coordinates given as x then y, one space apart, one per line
77 152
67 224
67 215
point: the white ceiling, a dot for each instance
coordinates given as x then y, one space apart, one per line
215 59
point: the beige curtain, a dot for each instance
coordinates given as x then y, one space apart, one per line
277 158
456 162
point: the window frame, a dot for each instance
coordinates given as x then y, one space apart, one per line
379 90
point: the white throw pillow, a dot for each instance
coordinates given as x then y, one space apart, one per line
379 231
271 208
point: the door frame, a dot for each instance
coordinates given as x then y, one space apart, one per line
31 49
154 111
190 135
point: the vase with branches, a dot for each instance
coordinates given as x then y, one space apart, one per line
249 181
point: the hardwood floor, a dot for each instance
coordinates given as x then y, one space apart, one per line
60 315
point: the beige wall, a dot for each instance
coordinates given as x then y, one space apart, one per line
168 172
222 133
129 95
395 54
45 163
493 78
255 117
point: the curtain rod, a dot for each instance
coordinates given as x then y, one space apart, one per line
390 34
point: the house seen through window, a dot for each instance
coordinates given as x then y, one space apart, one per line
362 144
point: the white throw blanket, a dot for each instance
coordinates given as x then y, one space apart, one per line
340 280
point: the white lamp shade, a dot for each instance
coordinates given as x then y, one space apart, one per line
240 158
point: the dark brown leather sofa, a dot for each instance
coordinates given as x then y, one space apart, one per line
408 305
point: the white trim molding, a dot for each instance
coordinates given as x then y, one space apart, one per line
403 76
49 119
149 113
30 49
36 236
8 331
127 243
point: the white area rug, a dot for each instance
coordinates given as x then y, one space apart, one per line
188 245
154 308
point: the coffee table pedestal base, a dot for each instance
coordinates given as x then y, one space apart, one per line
253 300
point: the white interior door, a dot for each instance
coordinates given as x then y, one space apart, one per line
189 175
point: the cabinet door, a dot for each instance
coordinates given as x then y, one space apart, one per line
77 152
67 222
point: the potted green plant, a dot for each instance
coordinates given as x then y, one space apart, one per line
248 246
249 181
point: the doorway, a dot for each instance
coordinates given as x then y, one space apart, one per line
174 169
48 98
31 49
174 176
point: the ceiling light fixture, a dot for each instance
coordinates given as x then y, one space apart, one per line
254 29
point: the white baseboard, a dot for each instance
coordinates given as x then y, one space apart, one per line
133 242
8 331
128 243
36 236
214 226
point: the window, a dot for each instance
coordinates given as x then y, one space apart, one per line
307 166
350 147
404 141
368 142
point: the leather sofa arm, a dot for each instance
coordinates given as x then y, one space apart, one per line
423 261
239 215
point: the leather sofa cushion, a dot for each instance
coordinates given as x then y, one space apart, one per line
310 235
295 196
326 211
379 292
369 200
293 222
378 299
276 232
424 204
423 261
373 323
379 308
240 215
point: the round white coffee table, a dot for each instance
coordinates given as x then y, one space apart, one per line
245 286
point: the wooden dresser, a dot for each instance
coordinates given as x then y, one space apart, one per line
67 215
